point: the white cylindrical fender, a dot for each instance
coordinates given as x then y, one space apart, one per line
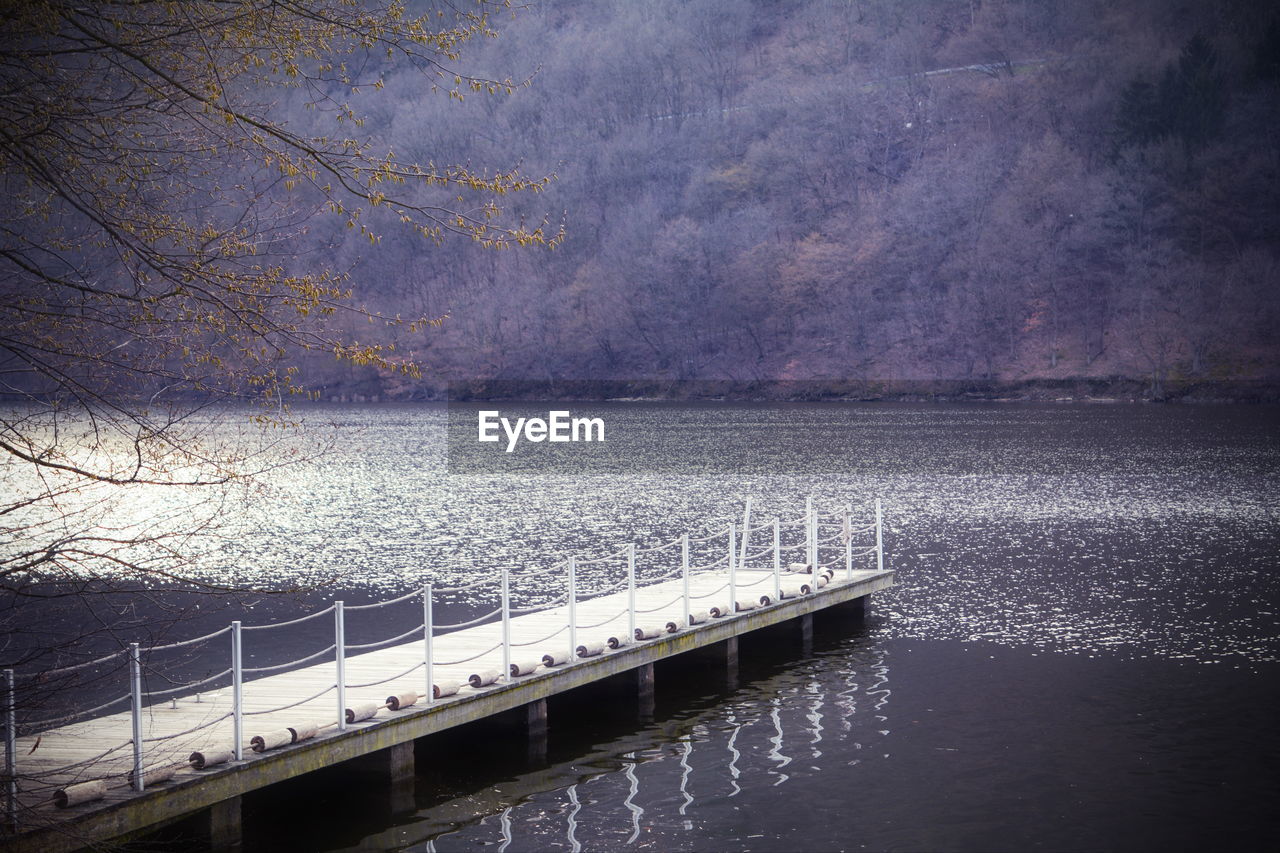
746 604
823 580
444 688
766 600
480 679
201 760
403 700
719 610
649 632
155 775
697 617
271 740
555 659
590 650
614 642
798 567
363 711
525 667
304 732
74 795
672 627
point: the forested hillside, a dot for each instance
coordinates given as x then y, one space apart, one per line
850 189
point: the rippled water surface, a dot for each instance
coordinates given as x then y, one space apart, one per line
1082 652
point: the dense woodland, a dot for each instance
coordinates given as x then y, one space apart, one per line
975 190
844 189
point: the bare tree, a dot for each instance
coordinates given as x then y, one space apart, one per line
150 263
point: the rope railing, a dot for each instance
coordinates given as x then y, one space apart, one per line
75 667
310 698
715 591
559 630
476 656
186 685
822 533
470 623
660 606
190 642
763 552
761 579
297 621
709 566
548 570
279 666
546 605
376 604
465 586
596 593
656 579
192 730
33 725
656 548
614 618
606 558
86 761
412 632
417 666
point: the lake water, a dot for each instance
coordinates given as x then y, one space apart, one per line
1083 651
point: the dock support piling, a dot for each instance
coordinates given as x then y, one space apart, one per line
536 726
806 634
645 702
224 824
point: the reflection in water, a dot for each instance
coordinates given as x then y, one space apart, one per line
653 772
776 753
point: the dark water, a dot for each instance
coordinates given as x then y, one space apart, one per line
1083 652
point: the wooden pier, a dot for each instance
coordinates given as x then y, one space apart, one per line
377 703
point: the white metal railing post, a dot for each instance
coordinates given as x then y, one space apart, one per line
506 625
684 572
426 643
848 543
733 573
746 532
777 558
809 524
237 692
879 538
573 607
631 591
340 657
811 535
135 693
10 752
